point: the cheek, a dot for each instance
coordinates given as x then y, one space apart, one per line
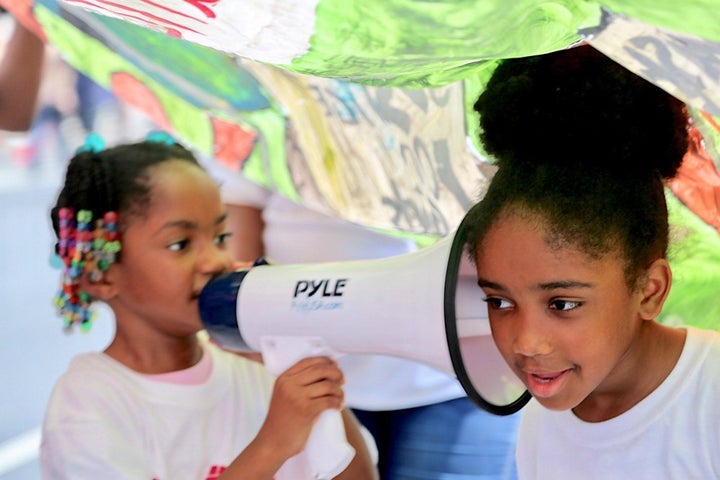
594 342
618 314
620 333
143 287
148 283
502 333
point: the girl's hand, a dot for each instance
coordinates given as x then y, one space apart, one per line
300 394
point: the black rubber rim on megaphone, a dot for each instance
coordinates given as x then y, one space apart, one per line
451 275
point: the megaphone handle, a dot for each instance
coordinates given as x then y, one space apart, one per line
327 449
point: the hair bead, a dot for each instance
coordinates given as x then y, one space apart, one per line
84 247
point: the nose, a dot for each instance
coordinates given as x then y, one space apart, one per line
214 259
531 336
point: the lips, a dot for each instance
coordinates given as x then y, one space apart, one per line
546 384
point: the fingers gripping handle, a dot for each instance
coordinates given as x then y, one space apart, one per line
327 452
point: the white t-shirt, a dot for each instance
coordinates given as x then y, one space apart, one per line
297 234
105 421
674 433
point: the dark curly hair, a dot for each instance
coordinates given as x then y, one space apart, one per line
115 179
585 143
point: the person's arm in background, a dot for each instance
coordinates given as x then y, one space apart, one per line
246 224
20 75
246 244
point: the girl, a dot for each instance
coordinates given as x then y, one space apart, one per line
142 228
570 246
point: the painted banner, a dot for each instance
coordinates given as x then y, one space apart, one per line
363 109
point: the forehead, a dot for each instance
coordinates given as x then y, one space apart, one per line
521 247
181 189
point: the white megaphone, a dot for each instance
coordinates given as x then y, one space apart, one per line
424 306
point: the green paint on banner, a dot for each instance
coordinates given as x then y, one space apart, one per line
352 38
99 63
204 77
267 165
694 257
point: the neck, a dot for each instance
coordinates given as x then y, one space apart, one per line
160 356
647 363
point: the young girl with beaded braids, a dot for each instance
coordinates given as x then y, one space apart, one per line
570 246
141 227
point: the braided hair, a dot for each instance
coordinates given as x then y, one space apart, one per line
115 179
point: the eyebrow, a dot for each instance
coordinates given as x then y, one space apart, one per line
482 283
559 284
186 224
564 284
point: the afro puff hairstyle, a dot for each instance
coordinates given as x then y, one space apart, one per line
584 145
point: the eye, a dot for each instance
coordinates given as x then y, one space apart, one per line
221 239
495 303
564 305
178 245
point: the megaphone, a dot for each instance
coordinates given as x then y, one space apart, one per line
423 306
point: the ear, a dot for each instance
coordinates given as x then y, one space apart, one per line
655 288
103 289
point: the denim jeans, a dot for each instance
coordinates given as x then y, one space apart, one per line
453 440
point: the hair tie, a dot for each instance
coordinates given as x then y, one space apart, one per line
161 136
94 143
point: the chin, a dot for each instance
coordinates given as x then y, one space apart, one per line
556 404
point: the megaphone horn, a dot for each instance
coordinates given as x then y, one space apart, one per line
423 306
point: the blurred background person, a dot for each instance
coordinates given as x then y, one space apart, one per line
20 75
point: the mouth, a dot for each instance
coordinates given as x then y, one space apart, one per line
546 384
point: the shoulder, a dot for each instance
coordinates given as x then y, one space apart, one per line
231 365
696 379
93 383
87 370
703 350
93 408
703 346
